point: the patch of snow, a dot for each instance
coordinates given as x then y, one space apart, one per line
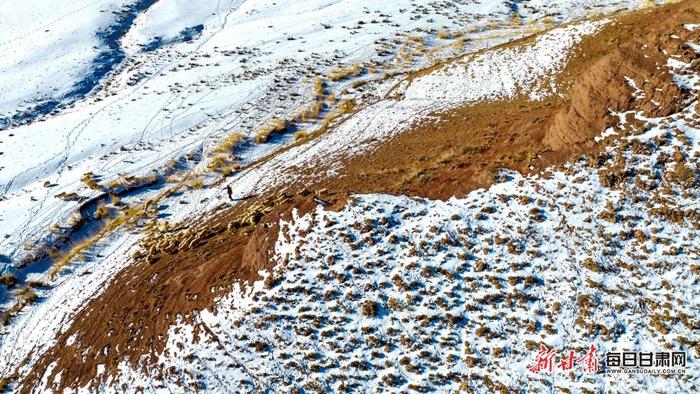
607 133
502 73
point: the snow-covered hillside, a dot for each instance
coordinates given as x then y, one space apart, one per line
395 293
127 124
251 62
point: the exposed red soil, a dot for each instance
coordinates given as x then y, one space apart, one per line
436 160
464 148
602 88
145 299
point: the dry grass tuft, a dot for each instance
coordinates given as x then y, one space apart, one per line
312 112
301 135
8 280
128 181
60 262
319 87
4 384
346 106
90 180
218 162
343 73
444 35
101 212
128 215
229 143
67 196
274 126
370 308
196 183
223 160
25 296
230 169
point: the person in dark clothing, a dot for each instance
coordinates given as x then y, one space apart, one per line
230 192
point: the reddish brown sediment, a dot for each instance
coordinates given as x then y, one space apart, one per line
603 89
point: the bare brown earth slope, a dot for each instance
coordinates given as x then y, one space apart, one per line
460 152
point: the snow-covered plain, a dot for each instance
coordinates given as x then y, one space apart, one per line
47 48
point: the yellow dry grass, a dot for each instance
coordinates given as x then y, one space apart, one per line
319 87
300 135
275 125
101 212
347 72
229 143
79 248
90 180
127 215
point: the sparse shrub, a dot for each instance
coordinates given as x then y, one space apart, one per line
392 380
657 321
584 301
531 345
498 351
483 331
37 284
230 169
459 43
217 162
684 175
126 180
369 308
26 296
260 346
346 106
394 304
319 87
327 121
695 269
311 113
538 215
8 280
67 196
590 264
480 266
515 248
270 281
29 296
4 384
